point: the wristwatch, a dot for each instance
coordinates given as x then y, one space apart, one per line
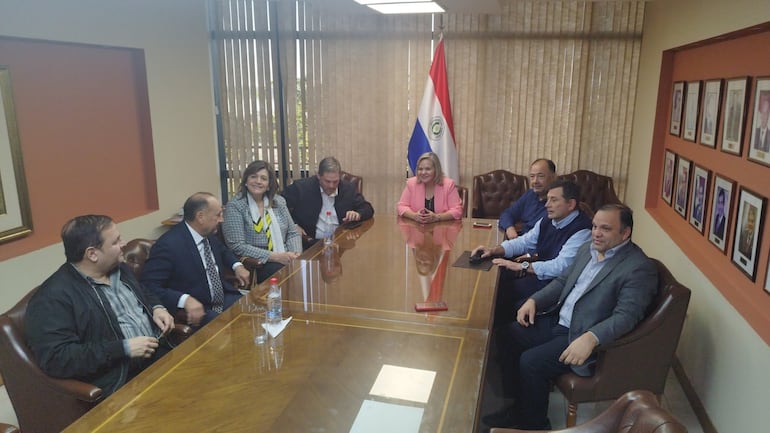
524 266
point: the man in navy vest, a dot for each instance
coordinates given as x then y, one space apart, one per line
554 240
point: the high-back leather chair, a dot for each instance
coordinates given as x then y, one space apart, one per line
595 189
136 252
463 191
358 181
633 412
41 403
493 192
640 359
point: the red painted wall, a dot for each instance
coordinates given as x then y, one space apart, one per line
739 54
84 125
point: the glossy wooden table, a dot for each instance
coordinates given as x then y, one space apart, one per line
353 312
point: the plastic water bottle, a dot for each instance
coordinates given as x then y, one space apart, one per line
329 235
274 303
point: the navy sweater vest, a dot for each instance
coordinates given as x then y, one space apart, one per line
551 239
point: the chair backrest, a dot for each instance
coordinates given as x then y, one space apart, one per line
463 191
595 189
38 400
636 411
358 181
136 252
493 192
642 358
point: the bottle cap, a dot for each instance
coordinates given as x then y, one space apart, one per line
274 280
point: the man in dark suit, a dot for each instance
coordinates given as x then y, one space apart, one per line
186 264
719 215
600 297
761 133
746 240
320 203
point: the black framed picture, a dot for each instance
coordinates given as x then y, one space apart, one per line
721 211
748 231
677 97
736 95
712 102
759 145
682 185
691 110
668 176
699 194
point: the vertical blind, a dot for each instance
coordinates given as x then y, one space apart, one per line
550 79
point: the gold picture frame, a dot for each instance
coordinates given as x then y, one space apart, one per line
15 214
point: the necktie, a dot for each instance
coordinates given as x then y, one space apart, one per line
264 225
217 294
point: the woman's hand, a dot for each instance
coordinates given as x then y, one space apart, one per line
283 258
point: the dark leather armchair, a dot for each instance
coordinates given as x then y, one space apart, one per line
596 190
639 360
493 192
633 412
41 403
358 181
463 191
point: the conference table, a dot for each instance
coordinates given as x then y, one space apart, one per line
355 357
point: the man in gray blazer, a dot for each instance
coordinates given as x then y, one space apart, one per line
599 298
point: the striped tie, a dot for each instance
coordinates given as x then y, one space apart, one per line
263 225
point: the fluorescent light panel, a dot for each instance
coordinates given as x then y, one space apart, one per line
407 8
374 2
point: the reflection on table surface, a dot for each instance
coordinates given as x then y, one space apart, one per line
321 373
382 268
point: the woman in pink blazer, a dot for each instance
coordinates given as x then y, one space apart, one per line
430 196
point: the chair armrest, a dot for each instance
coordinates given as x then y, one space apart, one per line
76 389
251 263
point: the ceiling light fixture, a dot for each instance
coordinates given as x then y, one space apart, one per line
403 6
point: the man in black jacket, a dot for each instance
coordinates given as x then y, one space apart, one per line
320 203
92 320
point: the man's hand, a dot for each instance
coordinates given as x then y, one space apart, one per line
579 350
511 233
163 319
526 314
242 274
351 215
301 230
508 264
485 251
142 347
194 310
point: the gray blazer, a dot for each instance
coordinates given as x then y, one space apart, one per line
615 301
240 236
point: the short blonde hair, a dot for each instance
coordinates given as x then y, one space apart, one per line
439 175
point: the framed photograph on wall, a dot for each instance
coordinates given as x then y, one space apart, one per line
682 185
721 208
677 96
748 232
759 145
668 176
767 278
712 101
736 94
699 194
692 100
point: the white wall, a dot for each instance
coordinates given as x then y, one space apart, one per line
724 358
173 35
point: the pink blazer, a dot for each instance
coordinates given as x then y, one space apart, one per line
445 198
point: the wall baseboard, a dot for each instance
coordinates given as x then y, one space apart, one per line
692 397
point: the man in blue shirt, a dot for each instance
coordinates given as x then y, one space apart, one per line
530 207
554 240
